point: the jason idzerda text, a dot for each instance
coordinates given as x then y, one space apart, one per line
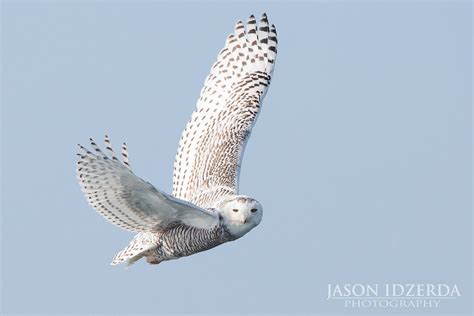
393 295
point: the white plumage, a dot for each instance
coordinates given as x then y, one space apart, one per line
212 144
205 209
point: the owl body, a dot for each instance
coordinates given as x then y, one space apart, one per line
179 241
237 215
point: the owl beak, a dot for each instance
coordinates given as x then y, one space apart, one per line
246 220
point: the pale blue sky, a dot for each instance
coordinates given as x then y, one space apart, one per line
361 156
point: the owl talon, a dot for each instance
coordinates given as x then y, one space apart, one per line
152 260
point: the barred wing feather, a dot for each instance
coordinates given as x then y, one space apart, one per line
211 146
128 201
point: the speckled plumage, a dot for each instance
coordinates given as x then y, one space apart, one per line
226 111
205 209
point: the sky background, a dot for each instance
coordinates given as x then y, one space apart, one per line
361 156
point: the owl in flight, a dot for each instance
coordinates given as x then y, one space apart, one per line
205 209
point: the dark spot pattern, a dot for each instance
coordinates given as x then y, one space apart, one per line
207 164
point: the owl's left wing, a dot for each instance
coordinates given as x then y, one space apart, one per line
211 147
128 201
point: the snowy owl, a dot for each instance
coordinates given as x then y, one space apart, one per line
205 209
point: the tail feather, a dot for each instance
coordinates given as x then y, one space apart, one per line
138 248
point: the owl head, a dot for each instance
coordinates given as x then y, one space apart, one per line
240 214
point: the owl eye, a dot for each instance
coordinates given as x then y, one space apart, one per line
235 210
253 210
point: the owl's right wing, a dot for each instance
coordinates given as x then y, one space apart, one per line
211 147
128 201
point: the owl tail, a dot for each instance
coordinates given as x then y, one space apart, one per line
138 248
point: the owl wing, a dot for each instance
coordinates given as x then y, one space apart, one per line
128 201
211 147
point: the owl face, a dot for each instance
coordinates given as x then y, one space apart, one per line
241 214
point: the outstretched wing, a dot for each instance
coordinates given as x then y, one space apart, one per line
211 147
128 201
